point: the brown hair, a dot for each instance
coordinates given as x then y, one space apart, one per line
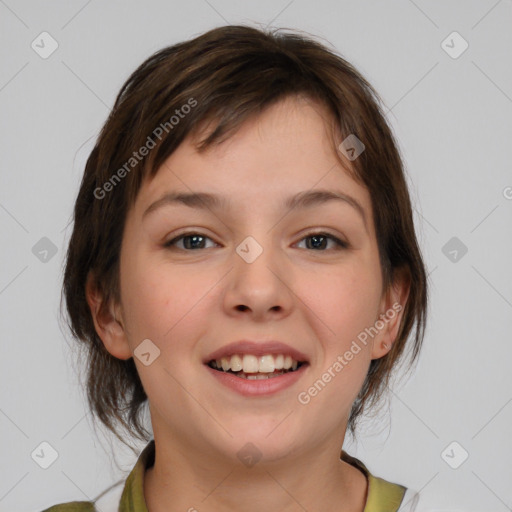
225 77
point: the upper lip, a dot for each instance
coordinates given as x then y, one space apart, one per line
256 348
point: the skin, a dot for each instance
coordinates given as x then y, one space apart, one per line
188 303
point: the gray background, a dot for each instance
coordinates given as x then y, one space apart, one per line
453 120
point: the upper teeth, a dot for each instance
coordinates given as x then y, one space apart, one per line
253 364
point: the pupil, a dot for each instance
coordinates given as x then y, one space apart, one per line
315 239
194 239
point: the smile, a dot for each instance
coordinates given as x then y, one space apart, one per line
251 375
251 367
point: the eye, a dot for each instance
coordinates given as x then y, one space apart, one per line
194 241
320 241
191 241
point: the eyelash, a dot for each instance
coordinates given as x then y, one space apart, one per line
340 243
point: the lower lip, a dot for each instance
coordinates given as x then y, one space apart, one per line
259 387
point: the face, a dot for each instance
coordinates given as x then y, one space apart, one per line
270 268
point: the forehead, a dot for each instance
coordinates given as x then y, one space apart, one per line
287 149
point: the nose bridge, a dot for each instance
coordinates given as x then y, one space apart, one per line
256 280
253 261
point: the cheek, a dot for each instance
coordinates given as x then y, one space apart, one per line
161 302
346 299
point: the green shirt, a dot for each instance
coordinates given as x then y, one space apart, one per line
383 496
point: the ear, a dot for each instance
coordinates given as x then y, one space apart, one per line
392 308
108 321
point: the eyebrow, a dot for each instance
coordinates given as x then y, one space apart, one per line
205 200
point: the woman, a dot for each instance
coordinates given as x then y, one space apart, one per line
244 261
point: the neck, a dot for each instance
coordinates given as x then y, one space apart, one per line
184 478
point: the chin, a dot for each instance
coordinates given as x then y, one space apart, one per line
263 437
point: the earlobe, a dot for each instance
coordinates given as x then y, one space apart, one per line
108 322
392 310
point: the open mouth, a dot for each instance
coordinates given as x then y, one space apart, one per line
251 367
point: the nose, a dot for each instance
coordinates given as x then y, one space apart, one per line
259 289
